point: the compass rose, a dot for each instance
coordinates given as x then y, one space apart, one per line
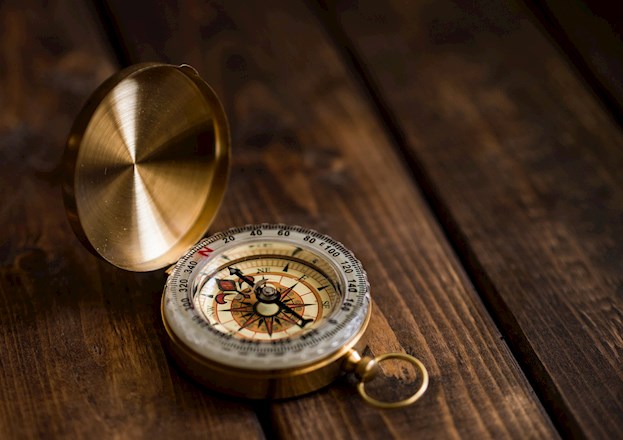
274 308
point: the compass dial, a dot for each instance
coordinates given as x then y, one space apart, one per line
266 297
273 295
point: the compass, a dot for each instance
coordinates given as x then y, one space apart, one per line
260 311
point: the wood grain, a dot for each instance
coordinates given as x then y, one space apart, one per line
80 354
589 32
523 166
309 149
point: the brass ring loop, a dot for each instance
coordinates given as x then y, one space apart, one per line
401 403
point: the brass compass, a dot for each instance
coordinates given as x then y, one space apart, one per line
260 311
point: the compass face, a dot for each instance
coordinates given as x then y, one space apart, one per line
266 296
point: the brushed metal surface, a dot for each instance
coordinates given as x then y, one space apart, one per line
146 166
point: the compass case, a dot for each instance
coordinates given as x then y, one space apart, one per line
146 166
265 384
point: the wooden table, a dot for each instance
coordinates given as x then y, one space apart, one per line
469 152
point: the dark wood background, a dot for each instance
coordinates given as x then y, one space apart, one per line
469 152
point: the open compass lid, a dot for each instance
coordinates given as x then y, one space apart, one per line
146 166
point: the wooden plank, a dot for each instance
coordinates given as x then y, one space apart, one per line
590 34
309 150
523 164
80 355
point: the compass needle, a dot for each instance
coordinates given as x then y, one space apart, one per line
247 279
